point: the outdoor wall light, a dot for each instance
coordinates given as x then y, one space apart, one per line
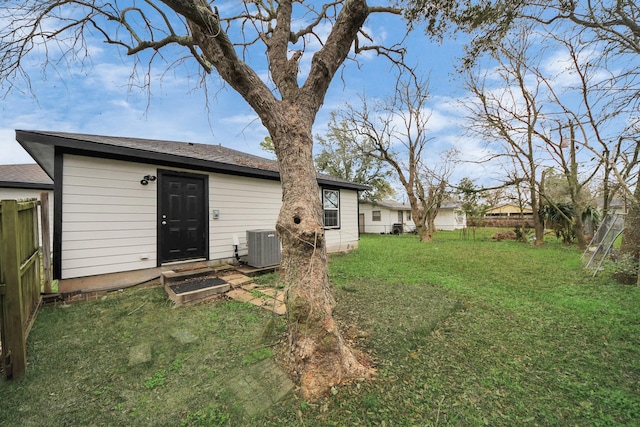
145 179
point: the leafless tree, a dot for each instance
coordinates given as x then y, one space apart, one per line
548 118
589 126
612 26
396 132
510 116
342 155
436 180
614 22
286 103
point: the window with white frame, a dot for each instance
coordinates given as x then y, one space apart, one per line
376 216
331 207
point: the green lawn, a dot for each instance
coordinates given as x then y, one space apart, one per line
463 332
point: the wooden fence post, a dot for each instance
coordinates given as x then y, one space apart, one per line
14 323
46 239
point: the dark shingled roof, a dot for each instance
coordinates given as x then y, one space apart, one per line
185 154
215 153
24 176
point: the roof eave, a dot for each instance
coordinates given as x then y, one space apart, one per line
343 184
26 138
26 185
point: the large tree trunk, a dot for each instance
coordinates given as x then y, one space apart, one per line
578 227
426 235
420 220
538 224
319 355
431 228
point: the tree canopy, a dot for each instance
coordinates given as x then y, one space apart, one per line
615 22
344 156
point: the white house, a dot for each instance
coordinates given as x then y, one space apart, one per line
26 181
389 217
127 208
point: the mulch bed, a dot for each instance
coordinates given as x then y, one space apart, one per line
196 284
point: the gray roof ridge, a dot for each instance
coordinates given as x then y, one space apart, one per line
185 150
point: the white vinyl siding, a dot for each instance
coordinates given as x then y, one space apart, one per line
447 219
108 217
250 203
243 204
380 219
346 237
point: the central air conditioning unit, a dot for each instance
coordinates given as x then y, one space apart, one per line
263 247
397 229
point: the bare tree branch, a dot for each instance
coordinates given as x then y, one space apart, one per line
396 132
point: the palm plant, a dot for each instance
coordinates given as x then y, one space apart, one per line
560 218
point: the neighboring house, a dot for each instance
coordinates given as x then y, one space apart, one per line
508 210
451 216
26 181
385 217
128 208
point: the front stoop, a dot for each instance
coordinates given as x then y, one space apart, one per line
171 280
235 285
197 296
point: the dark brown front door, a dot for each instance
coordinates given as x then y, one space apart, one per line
182 216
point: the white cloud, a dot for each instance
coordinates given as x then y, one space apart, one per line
10 151
97 98
441 120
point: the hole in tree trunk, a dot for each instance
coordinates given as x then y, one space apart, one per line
296 220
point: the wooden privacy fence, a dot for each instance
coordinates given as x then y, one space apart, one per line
19 281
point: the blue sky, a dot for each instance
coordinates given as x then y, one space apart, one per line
98 96
95 97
